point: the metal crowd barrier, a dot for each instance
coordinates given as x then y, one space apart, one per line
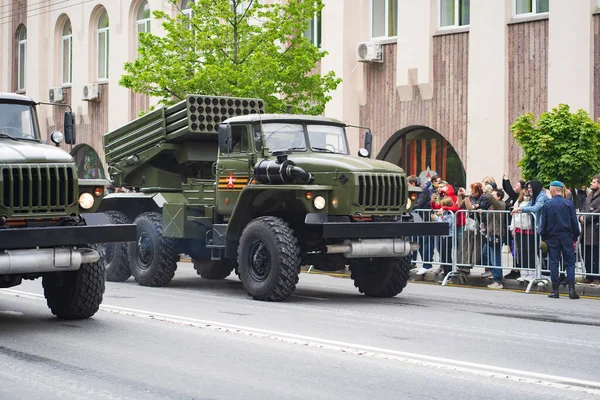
483 238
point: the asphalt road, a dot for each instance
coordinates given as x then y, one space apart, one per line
199 339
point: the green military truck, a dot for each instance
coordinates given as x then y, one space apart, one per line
48 228
236 189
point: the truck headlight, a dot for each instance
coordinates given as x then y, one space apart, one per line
408 204
319 202
57 137
86 200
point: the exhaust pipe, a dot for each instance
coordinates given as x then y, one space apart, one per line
45 260
394 247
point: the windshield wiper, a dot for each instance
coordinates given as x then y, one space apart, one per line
4 135
296 148
323 149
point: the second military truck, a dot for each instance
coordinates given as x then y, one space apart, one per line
262 194
48 228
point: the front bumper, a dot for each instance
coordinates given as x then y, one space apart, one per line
26 238
348 230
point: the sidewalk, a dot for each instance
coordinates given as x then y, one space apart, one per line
474 279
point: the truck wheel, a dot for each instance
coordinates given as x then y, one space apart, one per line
152 258
210 269
76 294
117 261
269 259
380 277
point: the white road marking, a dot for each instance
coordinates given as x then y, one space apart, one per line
8 312
483 370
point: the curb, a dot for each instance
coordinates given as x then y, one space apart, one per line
510 284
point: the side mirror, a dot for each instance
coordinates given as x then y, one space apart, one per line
368 142
224 138
69 127
363 153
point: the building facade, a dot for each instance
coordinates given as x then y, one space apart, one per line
439 82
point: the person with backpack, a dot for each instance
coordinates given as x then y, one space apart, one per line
512 192
444 214
523 233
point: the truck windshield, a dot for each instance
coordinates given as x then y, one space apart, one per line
280 136
327 138
322 138
17 121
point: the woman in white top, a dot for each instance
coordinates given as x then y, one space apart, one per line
523 232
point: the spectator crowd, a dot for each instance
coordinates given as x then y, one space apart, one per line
521 217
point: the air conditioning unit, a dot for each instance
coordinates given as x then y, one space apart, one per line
56 95
369 52
91 92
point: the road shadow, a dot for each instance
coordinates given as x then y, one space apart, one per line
302 295
15 323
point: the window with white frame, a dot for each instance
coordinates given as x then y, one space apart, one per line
21 58
103 46
313 32
67 54
186 10
528 7
454 13
384 18
241 7
142 21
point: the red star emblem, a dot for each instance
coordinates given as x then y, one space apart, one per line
230 180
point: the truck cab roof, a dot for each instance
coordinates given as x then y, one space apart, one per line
283 117
9 97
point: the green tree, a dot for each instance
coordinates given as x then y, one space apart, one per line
235 48
561 146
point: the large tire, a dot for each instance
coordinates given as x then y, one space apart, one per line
269 259
380 277
76 294
152 257
117 261
211 269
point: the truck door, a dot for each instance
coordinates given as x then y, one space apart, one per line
233 170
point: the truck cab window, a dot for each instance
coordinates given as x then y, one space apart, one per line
16 121
280 136
239 136
328 138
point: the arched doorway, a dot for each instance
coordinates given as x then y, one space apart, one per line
421 151
89 165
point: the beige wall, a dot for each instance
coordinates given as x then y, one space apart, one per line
5 40
570 54
344 27
44 53
346 22
417 22
487 126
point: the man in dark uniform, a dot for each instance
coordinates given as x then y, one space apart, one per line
560 229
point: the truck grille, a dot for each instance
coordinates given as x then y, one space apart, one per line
38 189
381 191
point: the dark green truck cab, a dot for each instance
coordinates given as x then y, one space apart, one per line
48 228
261 194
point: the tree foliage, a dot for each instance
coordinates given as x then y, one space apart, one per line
235 48
561 146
